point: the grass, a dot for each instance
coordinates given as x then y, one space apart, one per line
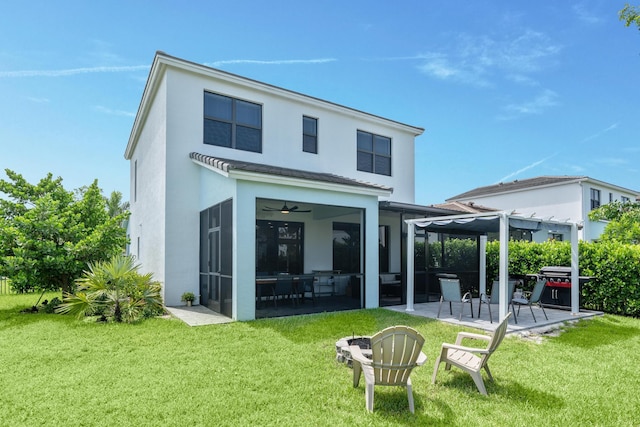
58 371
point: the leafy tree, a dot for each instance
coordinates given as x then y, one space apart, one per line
48 235
114 290
624 221
630 15
115 205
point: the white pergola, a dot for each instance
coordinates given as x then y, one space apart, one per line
491 222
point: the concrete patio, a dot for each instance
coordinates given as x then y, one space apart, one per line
198 315
557 317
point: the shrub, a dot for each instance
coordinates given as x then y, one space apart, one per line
114 290
615 268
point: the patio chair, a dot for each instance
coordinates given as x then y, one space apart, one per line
306 287
494 297
450 291
283 288
395 351
471 359
531 298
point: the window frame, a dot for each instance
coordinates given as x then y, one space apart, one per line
234 122
313 136
595 198
373 153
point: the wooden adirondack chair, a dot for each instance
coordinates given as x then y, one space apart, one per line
472 359
395 351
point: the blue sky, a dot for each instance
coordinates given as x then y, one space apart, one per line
505 89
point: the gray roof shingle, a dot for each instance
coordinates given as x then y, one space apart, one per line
516 185
227 165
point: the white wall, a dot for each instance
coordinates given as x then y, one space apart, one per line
282 132
148 192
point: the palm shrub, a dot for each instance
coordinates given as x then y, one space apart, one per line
114 290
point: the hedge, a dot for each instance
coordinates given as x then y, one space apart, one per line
615 268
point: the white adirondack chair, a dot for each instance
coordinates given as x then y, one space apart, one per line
471 359
395 351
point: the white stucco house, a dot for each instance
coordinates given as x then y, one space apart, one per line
234 180
559 197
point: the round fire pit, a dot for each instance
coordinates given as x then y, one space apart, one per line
343 354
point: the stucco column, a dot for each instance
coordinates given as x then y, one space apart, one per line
410 264
371 261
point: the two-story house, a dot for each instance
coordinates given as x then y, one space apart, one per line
234 180
559 197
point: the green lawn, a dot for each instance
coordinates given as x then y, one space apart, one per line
57 371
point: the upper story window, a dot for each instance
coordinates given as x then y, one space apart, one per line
624 199
230 122
595 198
374 153
309 135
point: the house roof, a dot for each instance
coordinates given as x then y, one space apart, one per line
525 184
228 165
469 207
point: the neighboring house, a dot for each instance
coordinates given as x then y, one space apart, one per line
560 197
233 180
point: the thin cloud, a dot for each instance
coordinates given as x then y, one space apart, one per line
602 132
612 161
111 112
482 60
585 15
540 103
71 71
271 62
39 100
524 169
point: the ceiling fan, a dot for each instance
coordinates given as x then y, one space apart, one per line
285 209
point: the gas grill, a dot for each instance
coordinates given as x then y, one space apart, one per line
557 291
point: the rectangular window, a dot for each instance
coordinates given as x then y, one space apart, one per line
624 199
595 198
135 181
309 135
232 123
374 153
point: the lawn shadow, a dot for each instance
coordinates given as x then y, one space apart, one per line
596 332
393 407
310 328
511 390
20 316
